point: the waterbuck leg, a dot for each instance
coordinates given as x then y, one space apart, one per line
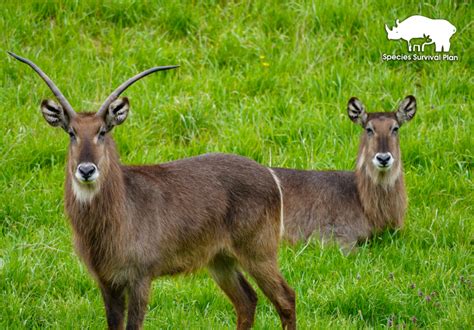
224 271
137 302
114 301
271 282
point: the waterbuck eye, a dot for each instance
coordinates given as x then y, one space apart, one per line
369 131
395 130
72 136
101 135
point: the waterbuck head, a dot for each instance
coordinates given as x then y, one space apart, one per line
90 145
379 151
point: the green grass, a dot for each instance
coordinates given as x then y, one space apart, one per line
269 81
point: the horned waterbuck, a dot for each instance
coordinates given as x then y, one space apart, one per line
352 206
134 223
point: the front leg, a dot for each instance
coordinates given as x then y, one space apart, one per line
137 302
114 300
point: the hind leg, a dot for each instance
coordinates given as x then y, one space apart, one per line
224 271
271 282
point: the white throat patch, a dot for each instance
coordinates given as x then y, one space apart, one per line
83 194
387 178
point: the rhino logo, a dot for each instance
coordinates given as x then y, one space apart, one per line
433 31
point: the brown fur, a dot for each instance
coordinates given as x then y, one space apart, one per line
213 210
350 206
134 223
139 222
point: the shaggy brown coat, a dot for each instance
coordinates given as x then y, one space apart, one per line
134 223
351 206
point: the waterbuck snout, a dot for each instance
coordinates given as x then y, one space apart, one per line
132 224
352 206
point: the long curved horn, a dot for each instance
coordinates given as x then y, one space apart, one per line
387 29
62 100
112 97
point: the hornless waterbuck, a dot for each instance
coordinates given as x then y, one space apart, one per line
352 206
134 223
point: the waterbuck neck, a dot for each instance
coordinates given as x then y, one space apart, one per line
98 216
381 194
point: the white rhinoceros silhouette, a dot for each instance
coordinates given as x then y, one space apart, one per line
439 31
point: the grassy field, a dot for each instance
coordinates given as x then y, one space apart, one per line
269 81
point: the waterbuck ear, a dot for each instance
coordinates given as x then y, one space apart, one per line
356 111
54 114
117 112
406 110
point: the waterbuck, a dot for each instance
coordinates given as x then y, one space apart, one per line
352 206
134 223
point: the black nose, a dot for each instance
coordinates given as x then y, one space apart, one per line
383 158
86 170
